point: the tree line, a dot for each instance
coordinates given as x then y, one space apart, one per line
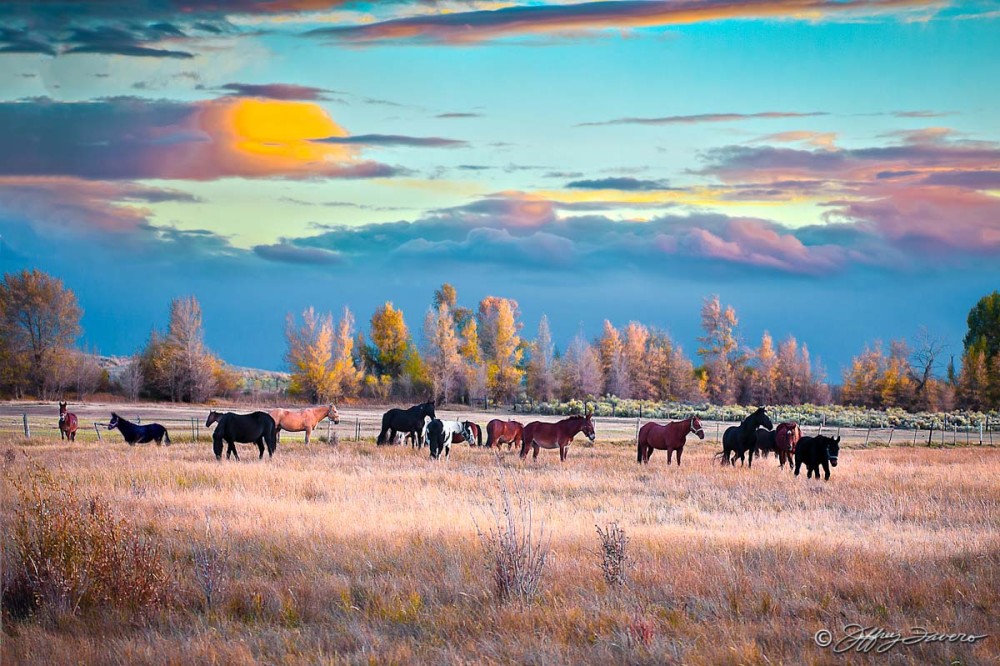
462 354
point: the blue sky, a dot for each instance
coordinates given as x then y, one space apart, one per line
831 169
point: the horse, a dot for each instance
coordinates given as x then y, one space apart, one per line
474 430
67 423
667 438
301 419
815 451
257 427
456 431
742 438
438 435
538 434
139 434
781 440
498 432
405 420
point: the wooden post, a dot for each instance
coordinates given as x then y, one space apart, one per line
930 436
357 429
891 430
27 430
867 435
915 431
954 433
193 438
98 431
980 432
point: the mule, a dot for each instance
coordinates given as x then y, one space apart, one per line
257 427
139 434
669 438
68 423
816 451
405 420
299 420
540 435
738 440
438 436
498 432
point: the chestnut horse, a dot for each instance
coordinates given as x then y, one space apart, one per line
782 440
667 438
302 419
498 432
539 434
67 423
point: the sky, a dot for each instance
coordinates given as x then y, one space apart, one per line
831 168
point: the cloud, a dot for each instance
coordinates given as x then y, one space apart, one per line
459 115
626 184
574 19
705 118
130 138
818 139
392 140
280 91
288 253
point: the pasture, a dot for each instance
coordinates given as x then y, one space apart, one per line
361 554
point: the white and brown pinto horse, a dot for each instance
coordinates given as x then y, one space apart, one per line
302 420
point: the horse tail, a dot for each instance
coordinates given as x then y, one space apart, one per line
166 437
479 434
639 447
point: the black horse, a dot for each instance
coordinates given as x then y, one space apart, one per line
438 440
139 434
405 420
816 451
737 440
257 427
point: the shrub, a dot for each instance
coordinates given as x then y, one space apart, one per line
516 555
67 555
615 559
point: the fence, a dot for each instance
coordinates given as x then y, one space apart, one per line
364 425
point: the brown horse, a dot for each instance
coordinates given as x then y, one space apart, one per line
538 434
474 430
667 438
786 437
498 432
302 419
67 423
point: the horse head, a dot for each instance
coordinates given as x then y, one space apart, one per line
333 415
62 412
696 427
762 419
467 433
833 449
428 410
213 416
114 421
588 427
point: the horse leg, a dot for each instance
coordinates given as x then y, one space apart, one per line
826 470
670 455
260 446
562 453
750 464
679 456
536 448
649 453
308 432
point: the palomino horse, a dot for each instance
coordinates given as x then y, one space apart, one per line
300 420
67 423
737 440
498 432
538 434
257 427
139 434
667 438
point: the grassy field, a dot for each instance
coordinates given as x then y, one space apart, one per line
358 554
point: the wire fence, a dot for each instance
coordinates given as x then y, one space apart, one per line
364 425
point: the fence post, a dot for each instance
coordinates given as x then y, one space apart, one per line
357 429
98 431
27 430
980 432
867 435
915 431
891 430
930 436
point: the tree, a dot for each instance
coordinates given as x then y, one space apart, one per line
973 381
984 325
346 374
862 378
194 365
130 380
390 342
541 370
720 351
39 320
610 350
765 375
503 375
488 321
443 359
579 370
923 363
636 381
310 356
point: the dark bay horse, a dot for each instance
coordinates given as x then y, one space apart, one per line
67 423
737 440
781 440
474 430
139 434
539 434
405 420
817 451
498 432
667 438
257 427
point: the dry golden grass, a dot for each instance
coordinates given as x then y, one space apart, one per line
358 554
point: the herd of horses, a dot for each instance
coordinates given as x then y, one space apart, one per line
755 435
